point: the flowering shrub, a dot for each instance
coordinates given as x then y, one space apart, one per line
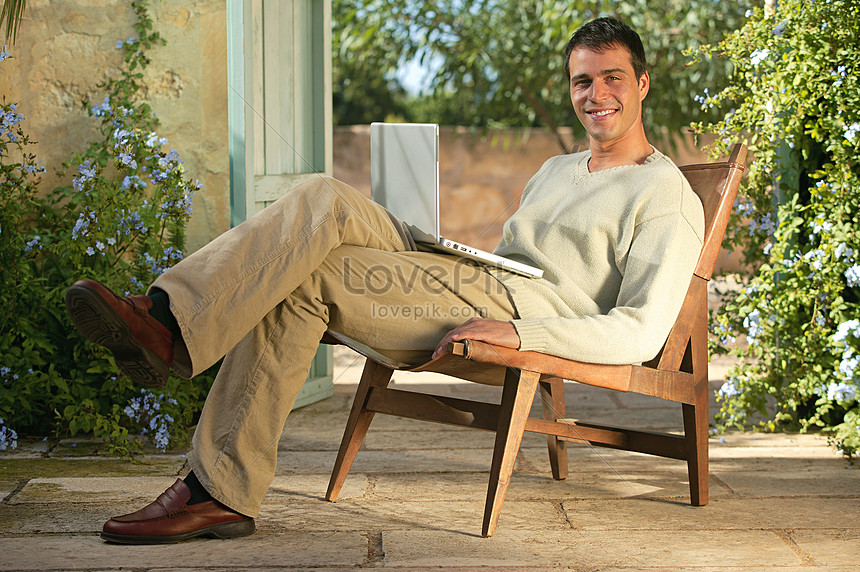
795 100
121 222
146 412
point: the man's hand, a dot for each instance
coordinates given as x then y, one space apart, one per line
491 331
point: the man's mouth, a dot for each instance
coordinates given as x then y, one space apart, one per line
601 113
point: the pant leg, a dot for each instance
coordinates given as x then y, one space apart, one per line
222 291
399 303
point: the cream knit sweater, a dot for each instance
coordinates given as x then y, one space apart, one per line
618 248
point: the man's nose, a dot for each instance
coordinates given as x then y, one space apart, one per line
598 91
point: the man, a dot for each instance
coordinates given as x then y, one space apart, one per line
616 229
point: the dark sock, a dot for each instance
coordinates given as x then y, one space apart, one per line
198 493
161 311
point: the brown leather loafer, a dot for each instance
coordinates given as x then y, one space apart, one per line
171 519
142 347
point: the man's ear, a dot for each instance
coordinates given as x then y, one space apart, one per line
644 85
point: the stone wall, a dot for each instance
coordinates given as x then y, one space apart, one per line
66 47
481 175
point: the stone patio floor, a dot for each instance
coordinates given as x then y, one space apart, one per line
414 499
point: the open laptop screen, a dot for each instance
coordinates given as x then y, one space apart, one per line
404 174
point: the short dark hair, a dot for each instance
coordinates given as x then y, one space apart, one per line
603 33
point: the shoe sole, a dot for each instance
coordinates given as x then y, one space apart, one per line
223 531
97 321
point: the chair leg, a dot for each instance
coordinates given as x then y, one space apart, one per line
374 375
552 399
696 435
517 397
696 415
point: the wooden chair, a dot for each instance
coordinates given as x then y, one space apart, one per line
678 373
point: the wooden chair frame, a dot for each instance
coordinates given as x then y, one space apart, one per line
678 373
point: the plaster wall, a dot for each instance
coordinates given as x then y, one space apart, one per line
65 48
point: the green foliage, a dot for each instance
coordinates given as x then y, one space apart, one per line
121 222
500 63
795 100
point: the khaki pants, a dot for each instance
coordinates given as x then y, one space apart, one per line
263 293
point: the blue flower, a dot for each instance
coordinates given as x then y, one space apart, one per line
153 139
30 169
87 171
848 365
145 411
729 389
33 244
844 249
133 181
81 226
841 391
815 258
759 56
852 275
128 160
752 323
102 108
8 437
4 53
129 41
121 136
818 226
9 120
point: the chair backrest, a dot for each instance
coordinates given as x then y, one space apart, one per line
717 186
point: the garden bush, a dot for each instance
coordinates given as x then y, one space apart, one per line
795 100
121 221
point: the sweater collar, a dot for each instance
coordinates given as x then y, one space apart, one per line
582 167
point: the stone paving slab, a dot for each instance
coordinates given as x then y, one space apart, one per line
473 486
462 517
294 549
7 488
286 488
720 513
821 482
60 518
303 439
835 547
589 549
91 489
388 461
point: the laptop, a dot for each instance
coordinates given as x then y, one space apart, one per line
404 178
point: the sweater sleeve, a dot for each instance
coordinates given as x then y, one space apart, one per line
657 273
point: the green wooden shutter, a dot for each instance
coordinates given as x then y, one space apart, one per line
279 69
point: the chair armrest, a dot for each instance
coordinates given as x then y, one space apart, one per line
601 375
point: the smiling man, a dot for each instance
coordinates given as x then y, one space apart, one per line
616 229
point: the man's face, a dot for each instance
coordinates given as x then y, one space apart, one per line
606 94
